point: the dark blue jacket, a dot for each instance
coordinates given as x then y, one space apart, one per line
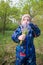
34 31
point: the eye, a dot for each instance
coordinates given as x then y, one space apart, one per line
28 19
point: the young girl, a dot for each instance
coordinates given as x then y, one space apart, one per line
25 52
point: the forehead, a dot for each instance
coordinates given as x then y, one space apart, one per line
26 17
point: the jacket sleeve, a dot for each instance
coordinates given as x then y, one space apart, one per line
36 30
16 34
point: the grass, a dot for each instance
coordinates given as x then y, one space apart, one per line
7 48
39 58
5 38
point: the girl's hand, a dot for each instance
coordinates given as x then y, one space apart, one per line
22 37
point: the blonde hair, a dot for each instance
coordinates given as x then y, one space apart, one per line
26 15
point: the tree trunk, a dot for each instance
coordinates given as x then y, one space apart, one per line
4 23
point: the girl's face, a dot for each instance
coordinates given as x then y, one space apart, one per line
26 20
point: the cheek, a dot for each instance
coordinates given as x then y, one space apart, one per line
28 22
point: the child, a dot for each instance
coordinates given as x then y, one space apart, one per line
25 53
